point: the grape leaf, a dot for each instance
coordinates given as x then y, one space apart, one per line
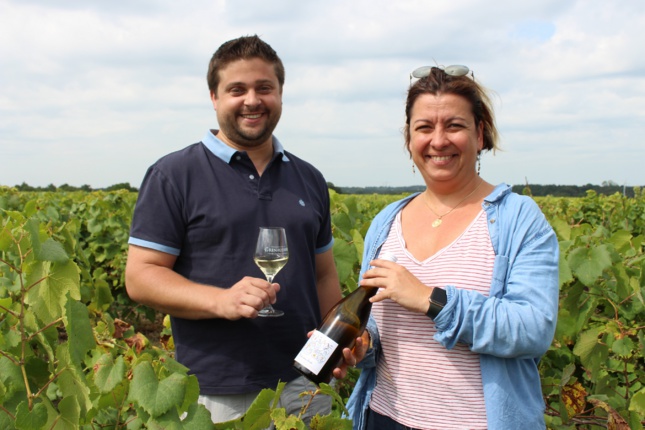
108 372
154 396
79 330
589 263
29 420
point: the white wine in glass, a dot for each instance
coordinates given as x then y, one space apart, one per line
271 254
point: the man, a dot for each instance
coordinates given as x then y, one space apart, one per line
194 232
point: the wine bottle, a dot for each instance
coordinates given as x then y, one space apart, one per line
346 321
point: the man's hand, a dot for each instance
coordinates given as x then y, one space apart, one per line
246 298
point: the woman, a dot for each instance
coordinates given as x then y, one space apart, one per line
463 317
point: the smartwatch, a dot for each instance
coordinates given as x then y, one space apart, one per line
438 300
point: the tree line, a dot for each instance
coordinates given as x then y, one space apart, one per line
66 187
535 190
606 188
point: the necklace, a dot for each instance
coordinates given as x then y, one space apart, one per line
436 223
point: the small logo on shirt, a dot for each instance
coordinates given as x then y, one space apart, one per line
302 202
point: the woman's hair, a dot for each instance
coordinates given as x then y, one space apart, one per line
242 48
440 82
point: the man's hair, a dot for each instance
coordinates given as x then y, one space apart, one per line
439 82
242 48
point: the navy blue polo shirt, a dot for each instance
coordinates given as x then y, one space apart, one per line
205 204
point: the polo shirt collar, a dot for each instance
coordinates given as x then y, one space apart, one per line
225 152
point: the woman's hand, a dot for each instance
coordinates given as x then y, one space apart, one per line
353 356
397 284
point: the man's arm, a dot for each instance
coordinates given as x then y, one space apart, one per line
329 292
150 280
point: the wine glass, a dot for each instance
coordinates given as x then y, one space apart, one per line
271 254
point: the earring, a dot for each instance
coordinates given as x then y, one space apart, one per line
414 171
479 162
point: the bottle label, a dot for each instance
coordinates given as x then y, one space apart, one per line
316 352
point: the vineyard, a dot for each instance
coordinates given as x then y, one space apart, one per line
75 352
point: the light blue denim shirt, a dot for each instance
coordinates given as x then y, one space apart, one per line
511 329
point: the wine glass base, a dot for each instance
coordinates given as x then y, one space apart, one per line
270 313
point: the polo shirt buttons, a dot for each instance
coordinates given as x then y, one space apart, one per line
251 177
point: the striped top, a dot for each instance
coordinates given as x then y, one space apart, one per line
420 383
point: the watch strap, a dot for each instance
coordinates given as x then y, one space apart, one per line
438 300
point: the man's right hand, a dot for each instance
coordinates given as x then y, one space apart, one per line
151 281
246 298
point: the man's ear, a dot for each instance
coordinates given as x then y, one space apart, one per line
214 99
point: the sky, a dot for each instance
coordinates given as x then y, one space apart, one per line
92 92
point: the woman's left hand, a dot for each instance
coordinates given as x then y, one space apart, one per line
353 356
397 284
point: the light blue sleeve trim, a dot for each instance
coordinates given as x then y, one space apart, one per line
153 245
326 247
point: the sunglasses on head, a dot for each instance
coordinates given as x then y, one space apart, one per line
454 70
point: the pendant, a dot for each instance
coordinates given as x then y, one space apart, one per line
436 223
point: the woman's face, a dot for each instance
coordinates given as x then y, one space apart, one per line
444 140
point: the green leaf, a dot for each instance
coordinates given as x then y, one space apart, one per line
52 251
5 239
637 403
79 330
71 381
51 284
198 417
47 250
623 347
562 228
5 304
591 351
342 223
258 416
29 420
11 377
168 421
639 284
566 329
6 422
70 414
102 297
622 241
329 422
564 273
154 396
330 391
345 257
192 392
589 263
359 244
287 423
230 425
566 374
109 372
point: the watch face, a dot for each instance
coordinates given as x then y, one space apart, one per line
439 296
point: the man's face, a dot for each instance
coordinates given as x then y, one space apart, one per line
248 103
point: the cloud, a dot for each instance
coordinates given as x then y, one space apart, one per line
93 92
